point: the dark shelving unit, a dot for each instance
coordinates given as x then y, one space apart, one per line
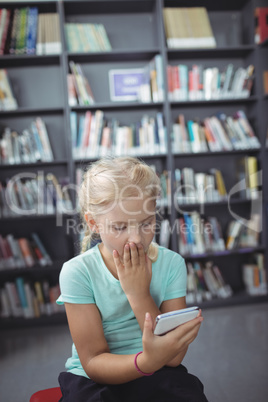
136 32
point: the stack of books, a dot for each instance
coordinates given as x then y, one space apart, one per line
79 90
26 31
205 282
214 134
84 38
254 276
40 195
7 99
23 252
30 146
192 187
27 299
188 28
93 136
199 83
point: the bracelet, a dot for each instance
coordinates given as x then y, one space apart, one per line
137 368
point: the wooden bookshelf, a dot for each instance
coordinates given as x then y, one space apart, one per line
135 29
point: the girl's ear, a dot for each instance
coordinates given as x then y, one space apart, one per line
91 223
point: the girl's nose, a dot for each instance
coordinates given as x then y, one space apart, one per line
134 235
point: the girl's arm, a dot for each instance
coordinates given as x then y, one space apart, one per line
102 366
135 273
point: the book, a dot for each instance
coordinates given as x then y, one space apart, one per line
233 232
45 257
44 138
23 296
13 299
80 85
87 37
4 25
188 28
26 251
261 24
7 99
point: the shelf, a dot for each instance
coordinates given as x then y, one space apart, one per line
215 203
31 111
118 106
145 156
45 320
218 153
35 164
239 51
29 60
32 217
214 101
236 299
114 55
224 253
36 269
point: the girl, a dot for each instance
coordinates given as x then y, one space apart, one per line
113 292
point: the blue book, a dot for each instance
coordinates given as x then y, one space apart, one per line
22 296
31 33
189 235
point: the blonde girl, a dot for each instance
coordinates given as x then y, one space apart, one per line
114 290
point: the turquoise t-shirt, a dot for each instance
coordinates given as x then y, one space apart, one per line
85 279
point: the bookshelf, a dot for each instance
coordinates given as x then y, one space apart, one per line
136 32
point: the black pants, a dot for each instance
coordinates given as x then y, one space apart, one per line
166 385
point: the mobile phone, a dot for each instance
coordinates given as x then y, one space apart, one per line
168 321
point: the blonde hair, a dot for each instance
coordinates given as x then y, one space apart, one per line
106 180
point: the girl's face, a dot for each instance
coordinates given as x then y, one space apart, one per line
131 220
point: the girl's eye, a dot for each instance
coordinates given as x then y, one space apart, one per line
146 224
120 228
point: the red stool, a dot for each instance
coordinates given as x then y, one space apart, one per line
47 395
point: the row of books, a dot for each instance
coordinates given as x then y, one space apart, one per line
216 133
152 85
255 277
22 252
201 235
205 282
94 135
199 83
7 99
79 90
192 187
261 24
26 31
38 195
188 27
30 146
86 38
26 299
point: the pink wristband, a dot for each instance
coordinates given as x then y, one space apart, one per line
137 368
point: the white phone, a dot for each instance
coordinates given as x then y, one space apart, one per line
168 321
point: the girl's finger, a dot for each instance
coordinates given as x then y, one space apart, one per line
141 251
127 257
117 260
134 254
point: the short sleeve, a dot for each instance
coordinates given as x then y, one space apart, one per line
177 279
75 284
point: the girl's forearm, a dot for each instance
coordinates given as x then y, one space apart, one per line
141 306
107 368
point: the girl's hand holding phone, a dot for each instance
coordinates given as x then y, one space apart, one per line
134 270
159 350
